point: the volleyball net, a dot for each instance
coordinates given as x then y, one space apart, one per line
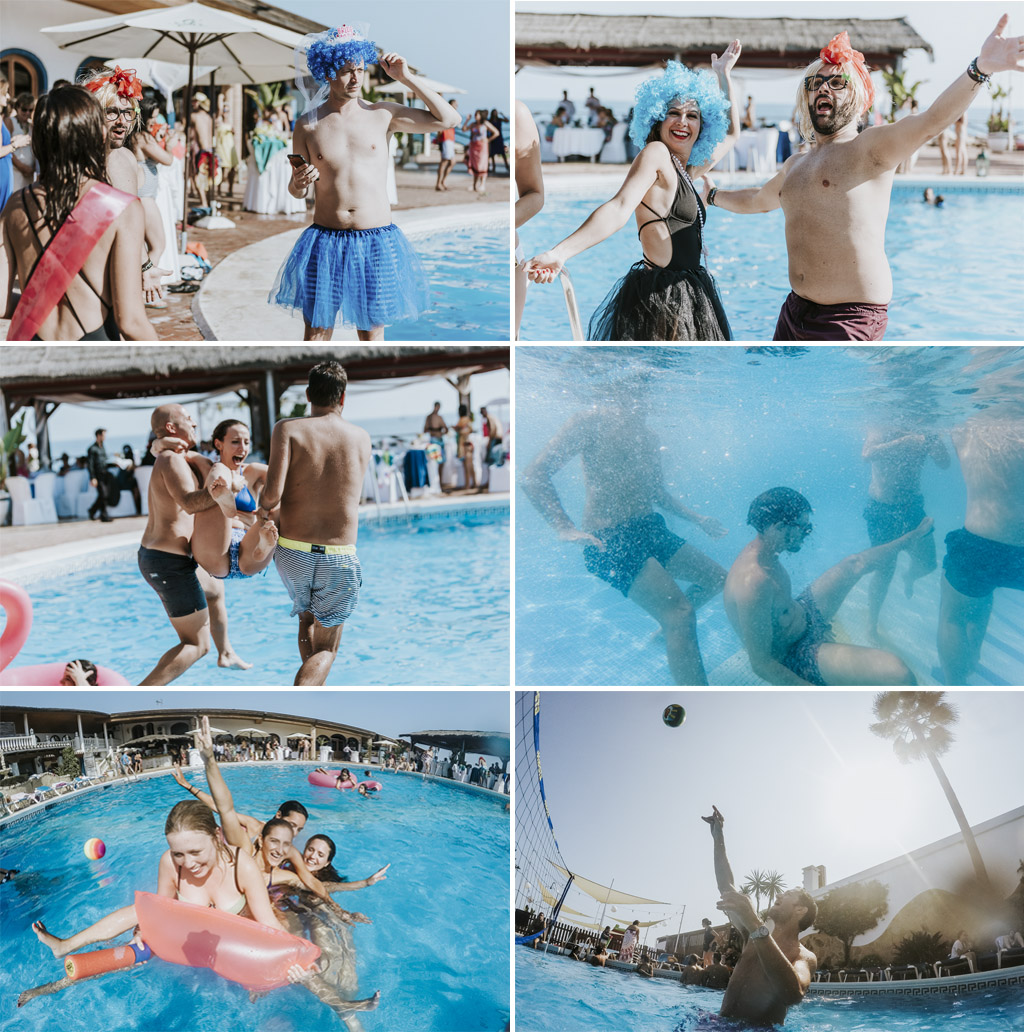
542 876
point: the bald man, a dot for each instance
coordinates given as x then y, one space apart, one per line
192 599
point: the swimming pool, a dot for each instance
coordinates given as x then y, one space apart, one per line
468 278
731 424
433 609
557 993
939 291
437 949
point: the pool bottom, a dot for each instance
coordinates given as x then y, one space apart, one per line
555 994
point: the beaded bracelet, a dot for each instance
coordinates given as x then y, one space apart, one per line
147 265
976 74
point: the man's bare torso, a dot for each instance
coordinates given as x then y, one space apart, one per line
750 995
169 528
350 150
992 460
202 127
747 579
836 204
327 460
896 476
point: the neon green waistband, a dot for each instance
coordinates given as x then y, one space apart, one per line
305 546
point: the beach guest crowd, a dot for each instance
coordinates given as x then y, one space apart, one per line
353 265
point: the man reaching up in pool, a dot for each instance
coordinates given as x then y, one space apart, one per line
626 542
791 641
315 476
353 265
193 601
835 197
774 970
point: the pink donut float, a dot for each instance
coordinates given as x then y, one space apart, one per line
330 780
237 948
18 606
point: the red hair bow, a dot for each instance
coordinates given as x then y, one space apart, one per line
839 52
126 83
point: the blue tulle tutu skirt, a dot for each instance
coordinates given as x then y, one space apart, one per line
357 277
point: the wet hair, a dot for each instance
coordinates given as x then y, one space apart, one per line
691 959
327 384
777 505
223 427
67 138
192 815
803 899
276 822
654 97
327 873
292 806
803 98
89 668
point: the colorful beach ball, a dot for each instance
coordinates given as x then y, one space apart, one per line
674 715
94 848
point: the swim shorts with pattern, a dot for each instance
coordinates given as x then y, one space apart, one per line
320 579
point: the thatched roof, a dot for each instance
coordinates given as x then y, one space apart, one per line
98 372
490 743
628 40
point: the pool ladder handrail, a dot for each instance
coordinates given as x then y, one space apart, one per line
569 291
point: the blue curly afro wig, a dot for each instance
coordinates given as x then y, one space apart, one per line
335 49
653 97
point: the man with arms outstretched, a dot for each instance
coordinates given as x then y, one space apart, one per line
354 265
192 599
315 476
789 640
627 542
835 197
774 970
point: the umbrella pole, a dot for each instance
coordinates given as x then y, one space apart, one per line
188 142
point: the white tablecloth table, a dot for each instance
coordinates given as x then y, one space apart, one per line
587 142
268 193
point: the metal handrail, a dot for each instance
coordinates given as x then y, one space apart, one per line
575 325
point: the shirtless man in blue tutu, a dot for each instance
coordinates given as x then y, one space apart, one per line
353 265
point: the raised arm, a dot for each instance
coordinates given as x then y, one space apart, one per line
439 114
754 201
891 144
722 67
538 485
609 218
223 802
362 883
723 872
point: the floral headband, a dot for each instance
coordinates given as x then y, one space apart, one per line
124 81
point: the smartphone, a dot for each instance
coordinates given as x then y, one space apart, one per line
297 160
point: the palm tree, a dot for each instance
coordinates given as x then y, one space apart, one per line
901 92
918 725
754 885
774 886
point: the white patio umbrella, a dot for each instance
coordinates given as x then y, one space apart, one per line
253 731
236 46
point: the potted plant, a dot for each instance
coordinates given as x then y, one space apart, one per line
998 125
8 442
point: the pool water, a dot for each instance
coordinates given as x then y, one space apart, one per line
732 424
555 994
433 609
468 279
940 291
438 947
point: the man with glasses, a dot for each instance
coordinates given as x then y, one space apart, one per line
790 641
835 197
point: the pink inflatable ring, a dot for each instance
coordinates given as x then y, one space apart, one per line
330 780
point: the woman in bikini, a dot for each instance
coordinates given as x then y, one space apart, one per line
685 124
103 301
319 855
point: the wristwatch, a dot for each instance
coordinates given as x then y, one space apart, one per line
762 932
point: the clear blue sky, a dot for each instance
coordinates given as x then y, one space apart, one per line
391 713
797 775
955 31
460 42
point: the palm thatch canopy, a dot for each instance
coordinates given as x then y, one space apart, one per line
637 40
490 743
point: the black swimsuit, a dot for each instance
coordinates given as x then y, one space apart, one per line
678 301
108 330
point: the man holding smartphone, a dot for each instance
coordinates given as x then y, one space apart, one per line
353 265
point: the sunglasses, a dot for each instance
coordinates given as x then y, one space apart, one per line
836 83
806 528
113 114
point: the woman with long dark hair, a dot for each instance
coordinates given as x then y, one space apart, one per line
87 286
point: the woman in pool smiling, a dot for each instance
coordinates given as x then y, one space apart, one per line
685 124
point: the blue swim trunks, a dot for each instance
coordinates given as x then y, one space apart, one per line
802 655
357 277
975 566
628 546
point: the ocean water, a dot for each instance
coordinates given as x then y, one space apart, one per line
733 422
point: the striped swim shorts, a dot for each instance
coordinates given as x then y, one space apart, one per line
321 579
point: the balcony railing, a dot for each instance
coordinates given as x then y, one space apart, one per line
36 743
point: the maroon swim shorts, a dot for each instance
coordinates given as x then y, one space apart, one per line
801 319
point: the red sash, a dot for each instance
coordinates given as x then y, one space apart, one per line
64 256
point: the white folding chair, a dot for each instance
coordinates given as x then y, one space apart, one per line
43 487
25 510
